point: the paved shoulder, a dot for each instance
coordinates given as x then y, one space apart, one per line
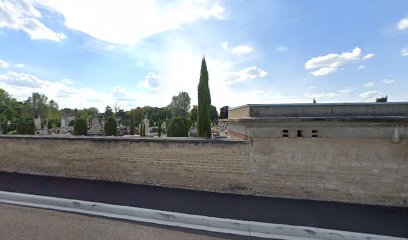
381 220
24 223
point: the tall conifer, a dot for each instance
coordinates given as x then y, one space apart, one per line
204 103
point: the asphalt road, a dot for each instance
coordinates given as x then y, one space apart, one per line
24 223
381 220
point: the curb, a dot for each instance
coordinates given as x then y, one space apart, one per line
221 225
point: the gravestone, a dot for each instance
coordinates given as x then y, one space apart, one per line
37 123
146 125
95 126
65 120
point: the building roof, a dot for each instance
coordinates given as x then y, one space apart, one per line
322 111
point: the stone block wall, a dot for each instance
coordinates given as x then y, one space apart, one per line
192 164
368 171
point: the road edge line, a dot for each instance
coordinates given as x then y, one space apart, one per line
198 222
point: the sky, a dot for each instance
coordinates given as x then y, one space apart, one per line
92 53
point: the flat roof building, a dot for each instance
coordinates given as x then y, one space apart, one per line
326 120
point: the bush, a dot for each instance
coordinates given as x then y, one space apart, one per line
159 128
132 128
26 126
111 127
80 127
178 127
142 131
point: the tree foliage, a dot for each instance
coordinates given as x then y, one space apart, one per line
26 126
111 127
178 127
108 112
204 103
180 104
193 115
214 113
36 105
80 127
159 128
10 112
224 112
382 99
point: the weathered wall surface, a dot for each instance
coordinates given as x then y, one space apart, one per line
185 164
371 171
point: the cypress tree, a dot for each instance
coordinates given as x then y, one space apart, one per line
159 128
204 103
80 127
111 127
26 126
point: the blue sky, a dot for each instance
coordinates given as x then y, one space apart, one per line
84 53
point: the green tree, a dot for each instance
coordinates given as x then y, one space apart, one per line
193 115
132 123
53 115
138 114
224 112
80 127
26 126
142 130
382 99
108 112
180 104
214 113
159 128
10 112
37 105
204 103
111 127
178 127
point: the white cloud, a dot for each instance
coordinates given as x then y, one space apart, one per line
369 84
326 95
368 56
388 81
21 15
360 67
404 52
20 65
22 85
281 49
224 45
370 95
123 96
245 75
20 79
3 64
151 80
129 21
242 49
324 71
330 63
403 24
311 87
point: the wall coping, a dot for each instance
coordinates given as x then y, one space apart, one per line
126 139
318 104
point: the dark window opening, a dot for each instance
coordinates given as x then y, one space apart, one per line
299 133
314 133
285 133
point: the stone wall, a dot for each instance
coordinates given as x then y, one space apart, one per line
370 171
192 164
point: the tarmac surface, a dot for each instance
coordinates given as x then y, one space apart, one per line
382 220
25 223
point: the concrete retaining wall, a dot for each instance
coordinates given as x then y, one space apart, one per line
372 171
